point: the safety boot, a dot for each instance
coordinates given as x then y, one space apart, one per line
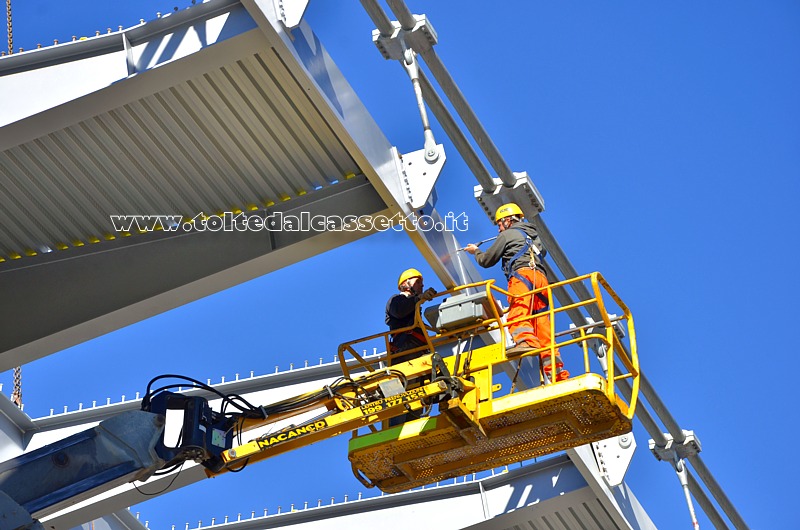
519 349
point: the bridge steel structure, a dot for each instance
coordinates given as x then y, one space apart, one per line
235 106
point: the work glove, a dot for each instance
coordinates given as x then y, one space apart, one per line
428 295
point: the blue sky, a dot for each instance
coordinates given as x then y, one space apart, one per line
666 143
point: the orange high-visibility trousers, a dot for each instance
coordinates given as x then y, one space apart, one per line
536 331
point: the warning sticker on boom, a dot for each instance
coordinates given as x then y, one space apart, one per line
391 401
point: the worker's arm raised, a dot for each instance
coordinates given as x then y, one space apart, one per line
493 254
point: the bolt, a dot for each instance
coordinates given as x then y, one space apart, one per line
60 459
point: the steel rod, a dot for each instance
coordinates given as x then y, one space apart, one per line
661 410
647 390
454 94
378 16
716 490
455 134
469 118
498 163
403 14
437 106
705 503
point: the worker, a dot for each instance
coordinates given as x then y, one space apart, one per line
400 313
519 247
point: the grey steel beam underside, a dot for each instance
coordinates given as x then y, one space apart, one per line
232 124
50 301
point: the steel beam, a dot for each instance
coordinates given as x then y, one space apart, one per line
147 274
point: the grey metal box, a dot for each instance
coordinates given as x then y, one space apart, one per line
460 310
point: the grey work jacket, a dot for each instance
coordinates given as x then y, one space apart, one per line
508 243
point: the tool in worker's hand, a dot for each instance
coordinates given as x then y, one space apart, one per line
479 243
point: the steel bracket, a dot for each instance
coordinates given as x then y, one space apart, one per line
419 175
290 12
673 452
614 456
523 193
421 38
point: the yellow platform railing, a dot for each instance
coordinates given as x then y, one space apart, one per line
620 353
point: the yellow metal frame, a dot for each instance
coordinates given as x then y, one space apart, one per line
508 429
475 428
495 321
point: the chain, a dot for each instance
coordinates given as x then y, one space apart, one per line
10 33
16 395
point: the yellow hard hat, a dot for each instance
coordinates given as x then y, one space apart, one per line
506 210
407 275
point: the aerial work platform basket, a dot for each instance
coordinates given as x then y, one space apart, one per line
485 428
461 402
514 428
